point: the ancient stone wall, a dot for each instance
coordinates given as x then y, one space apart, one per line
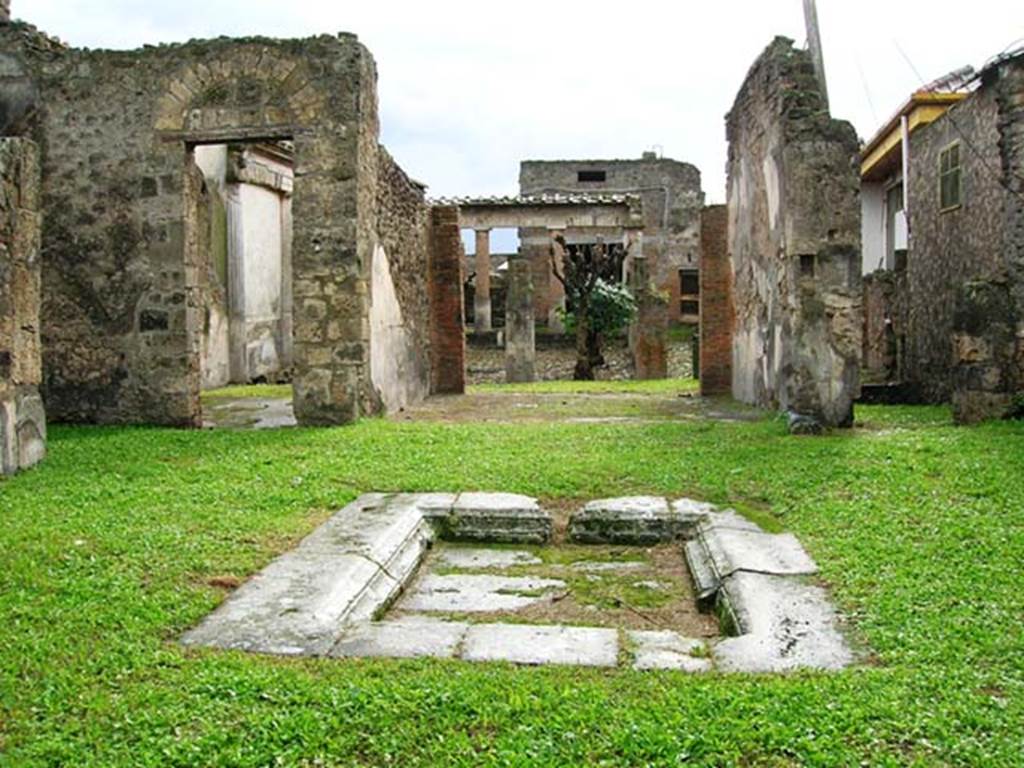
794 242
122 306
672 200
22 420
400 308
988 324
444 291
885 331
716 308
949 248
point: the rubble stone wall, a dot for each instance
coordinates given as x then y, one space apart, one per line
794 242
885 331
122 314
988 325
950 248
22 419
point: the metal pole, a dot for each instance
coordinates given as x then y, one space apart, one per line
814 46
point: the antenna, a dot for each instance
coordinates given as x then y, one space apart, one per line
814 46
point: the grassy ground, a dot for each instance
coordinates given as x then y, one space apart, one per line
125 537
658 387
247 391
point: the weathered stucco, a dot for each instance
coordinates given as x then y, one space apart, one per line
399 305
794 243
22 420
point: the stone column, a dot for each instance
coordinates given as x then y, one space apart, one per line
482 294
520 338
649 332
557 296
22 420
5 10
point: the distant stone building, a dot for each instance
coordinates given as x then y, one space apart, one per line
794 243
943 313
672 199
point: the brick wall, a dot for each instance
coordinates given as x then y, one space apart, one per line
22 420
716 308
444 289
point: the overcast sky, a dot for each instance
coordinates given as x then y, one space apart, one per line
468 89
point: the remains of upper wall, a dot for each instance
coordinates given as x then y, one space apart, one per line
794 242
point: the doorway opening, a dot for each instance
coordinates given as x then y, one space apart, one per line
239 206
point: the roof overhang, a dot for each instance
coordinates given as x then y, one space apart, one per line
883 155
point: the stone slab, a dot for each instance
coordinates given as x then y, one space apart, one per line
692 509
500 518
786 624
596 567
636 520
728 518
667 650
470 559
523 644
294 606
478 593
346 571
733 550
405 638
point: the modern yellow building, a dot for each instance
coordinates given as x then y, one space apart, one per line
884 164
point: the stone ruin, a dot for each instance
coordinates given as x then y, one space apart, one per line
22 420
130 287
437 575
366 312
794 243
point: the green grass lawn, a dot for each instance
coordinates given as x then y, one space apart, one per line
656 387
246 391
112 548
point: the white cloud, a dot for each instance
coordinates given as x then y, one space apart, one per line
468 89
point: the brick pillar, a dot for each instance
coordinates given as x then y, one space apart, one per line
716 303
557 292
520 338
444 289
482 292
5 10
22 420
648 334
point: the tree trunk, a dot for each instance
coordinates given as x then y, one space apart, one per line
584 370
